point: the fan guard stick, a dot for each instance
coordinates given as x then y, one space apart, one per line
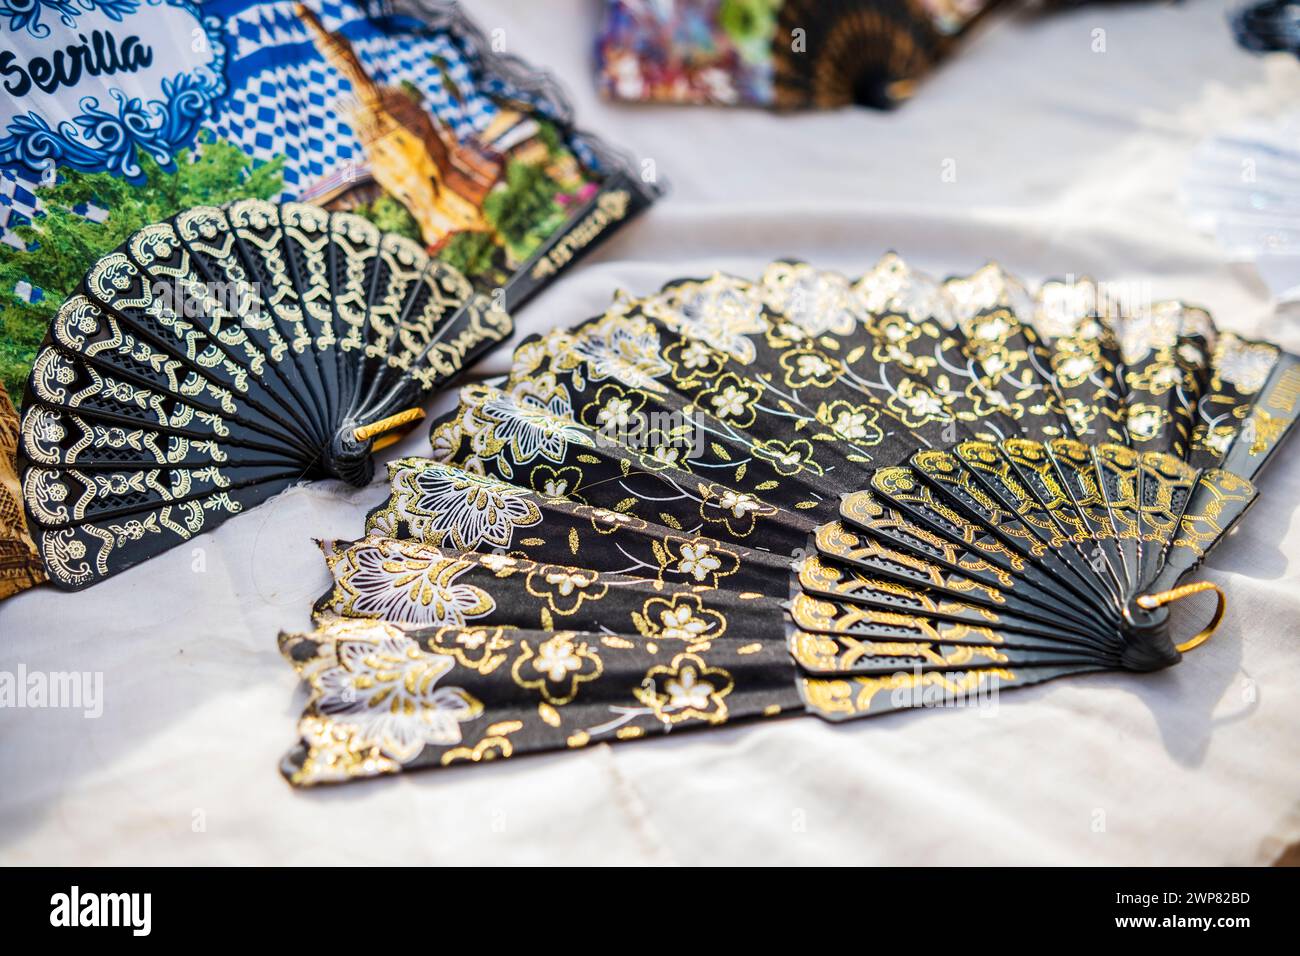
395 421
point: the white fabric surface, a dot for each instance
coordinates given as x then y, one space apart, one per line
1067 161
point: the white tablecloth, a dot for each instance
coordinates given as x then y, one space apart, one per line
1067 160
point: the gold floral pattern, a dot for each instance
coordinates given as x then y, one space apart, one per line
682 617
722 311
855 423
915 404
441 505
565 588
700 560
686 689
731 399
376 702
805 367
556 667
403 582
736 510
627 349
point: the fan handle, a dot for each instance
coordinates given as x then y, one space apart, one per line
391 423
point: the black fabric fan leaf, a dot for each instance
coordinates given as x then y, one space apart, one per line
217 358
803 493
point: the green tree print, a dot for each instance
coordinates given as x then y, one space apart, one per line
62 244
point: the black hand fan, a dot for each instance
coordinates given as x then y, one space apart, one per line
735 499
215 359
832 54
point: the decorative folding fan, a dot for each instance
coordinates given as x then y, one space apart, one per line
870 53
737 499
216 358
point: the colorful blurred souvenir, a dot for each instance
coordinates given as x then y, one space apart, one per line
788 54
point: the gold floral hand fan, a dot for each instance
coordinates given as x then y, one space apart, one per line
217 358
801 494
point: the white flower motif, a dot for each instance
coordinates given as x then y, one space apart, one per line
556 659
923 402
498 562
992 328
791 331
698 561
995 364
696 355
688 690
1168 374
1076 368
666 455
616 413
680 623
44 427
1078 415
729 402
1220 439
1144 422
812 366
738 503
471 640
565 583
850 425
611 519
